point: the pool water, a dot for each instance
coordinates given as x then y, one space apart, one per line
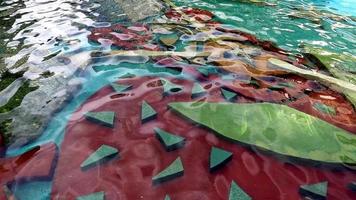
292 24
197 99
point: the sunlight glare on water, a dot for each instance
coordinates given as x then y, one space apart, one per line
177 99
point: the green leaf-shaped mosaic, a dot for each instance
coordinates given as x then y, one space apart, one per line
274 127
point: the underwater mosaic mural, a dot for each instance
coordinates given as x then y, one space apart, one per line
188 107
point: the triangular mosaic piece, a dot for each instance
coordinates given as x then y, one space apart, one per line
315 191
93 196
197 90
120 87
147 112
102 118
228 95
174 170
169 141
169 87
218 158
236 193
207 70
100 155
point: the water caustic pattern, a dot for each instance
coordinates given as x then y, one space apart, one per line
196 101
289 23
293 25
35 35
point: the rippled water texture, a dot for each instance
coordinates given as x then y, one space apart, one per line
176 99
291 23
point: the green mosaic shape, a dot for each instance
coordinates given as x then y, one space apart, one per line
147 112
281 86
168 140
318 190
218 158
324 108
287 84
167 197
236 193
206 70
274 127
169 87
120 87
104 118
197 90
174 170
228 95
102 154
203 71
127 75
93 196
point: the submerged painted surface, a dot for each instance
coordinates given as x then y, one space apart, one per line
142 156
120 132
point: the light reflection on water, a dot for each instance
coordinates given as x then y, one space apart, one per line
288 23
345 7
52 36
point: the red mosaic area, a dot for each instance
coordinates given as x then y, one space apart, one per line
125 37
142 156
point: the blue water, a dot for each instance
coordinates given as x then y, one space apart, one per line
343 7
266 22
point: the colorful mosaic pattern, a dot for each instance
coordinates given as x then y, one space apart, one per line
168 133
